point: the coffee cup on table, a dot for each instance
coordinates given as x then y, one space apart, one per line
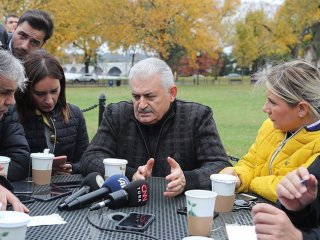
224 185
13 225
4 161
114 166
42 167
200 209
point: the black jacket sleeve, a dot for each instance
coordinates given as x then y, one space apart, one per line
308 219
82 141
13 144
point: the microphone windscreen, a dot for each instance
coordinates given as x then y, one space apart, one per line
138 193
116 182
93 180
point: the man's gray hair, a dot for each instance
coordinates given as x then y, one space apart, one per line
12 69
149 67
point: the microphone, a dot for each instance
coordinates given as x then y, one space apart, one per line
91 182
112 184
133 195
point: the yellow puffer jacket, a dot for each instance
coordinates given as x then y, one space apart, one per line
260 174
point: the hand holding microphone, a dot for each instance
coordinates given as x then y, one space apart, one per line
112 184
134 194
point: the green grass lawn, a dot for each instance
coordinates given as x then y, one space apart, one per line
236 108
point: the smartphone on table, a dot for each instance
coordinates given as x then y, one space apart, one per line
51 194
246 197
70 184
23 187
135 222
59 160
24 198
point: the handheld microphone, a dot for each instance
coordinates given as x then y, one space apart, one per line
133 195
113 183
91 182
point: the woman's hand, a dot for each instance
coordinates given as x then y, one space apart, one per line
231 171
7 197
295 195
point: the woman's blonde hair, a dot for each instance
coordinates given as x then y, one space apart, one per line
294 81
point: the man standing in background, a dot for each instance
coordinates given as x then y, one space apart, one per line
11 22
34 28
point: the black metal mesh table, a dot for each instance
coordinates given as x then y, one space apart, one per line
168 225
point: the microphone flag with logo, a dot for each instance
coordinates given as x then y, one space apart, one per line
133 195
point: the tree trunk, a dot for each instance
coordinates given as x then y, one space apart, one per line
132 59
294 52
86 63
316 45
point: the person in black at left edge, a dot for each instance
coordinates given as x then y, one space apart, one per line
13 143
8 197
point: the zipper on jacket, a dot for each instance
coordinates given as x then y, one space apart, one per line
145 143
55 133
284 141
165 121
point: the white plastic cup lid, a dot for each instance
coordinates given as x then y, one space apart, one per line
4 159
12 219
42 155
114 161
200 193
223 178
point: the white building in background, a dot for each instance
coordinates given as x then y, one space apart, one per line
120 69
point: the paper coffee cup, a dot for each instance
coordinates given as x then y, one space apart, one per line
200 208
13 225
4 161
114 166
224 185
42 167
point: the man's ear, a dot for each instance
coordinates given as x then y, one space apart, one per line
303 109
173 92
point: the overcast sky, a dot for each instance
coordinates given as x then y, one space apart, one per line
267 1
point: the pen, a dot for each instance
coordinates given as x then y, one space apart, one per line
303 182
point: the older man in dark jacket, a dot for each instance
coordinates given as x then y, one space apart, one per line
13 143
158 134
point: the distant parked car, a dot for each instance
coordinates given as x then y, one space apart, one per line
87 77
233 76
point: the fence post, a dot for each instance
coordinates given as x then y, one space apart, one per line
102 102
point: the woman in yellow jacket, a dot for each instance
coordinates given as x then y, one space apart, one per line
290 138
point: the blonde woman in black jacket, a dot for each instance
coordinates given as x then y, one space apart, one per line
48 120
